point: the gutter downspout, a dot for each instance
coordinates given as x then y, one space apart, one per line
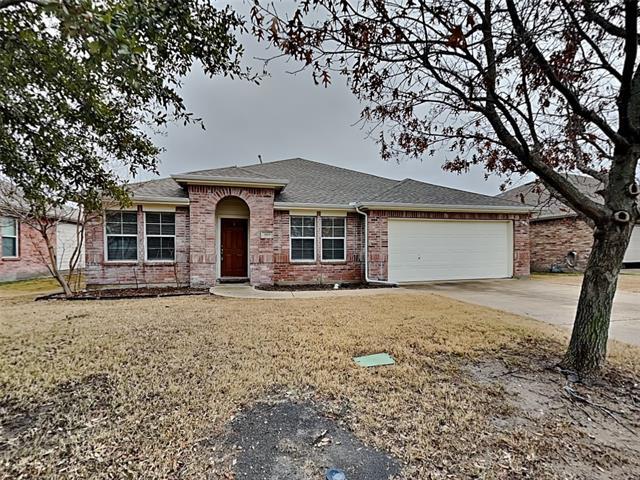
366 248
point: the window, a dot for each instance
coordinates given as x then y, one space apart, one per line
122 236
333 238
161 236
303 239
9 235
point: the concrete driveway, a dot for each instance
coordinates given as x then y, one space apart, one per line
543 300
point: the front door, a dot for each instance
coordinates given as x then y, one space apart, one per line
233 247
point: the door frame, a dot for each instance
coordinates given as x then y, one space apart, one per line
218 242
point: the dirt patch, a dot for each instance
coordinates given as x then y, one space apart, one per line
126 293
321 286
602 421
295 441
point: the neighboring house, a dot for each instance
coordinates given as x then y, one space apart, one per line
560 238
298 221
24 253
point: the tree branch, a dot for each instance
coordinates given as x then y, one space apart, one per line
594 17
563 89
631 52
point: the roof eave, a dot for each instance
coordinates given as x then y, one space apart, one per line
425 207
312 206
558 216
231 181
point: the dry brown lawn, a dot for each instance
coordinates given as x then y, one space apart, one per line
627 282
147 388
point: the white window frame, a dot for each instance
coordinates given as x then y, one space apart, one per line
16 225
107 235
314 238
344 238
147 235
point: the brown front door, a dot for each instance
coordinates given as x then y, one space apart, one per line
233 247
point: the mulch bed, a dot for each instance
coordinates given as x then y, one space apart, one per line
123 293
321 286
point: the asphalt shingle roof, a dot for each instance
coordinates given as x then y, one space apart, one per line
547 204
413 191
319 183
162 187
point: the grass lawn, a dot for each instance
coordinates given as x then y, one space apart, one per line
627 281
34 287
148 388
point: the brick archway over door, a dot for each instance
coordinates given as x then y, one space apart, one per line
203 254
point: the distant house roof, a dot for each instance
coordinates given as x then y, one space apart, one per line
12 203
304 182
549 205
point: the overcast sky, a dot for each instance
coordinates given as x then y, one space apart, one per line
287 116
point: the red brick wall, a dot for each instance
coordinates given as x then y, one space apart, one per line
351 270
379 237
196 229
552 240
33 257
100 273
203 200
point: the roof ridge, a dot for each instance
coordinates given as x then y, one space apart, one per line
398 184
324 165
455 189
247 169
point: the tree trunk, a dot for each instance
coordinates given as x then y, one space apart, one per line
53 261
588 346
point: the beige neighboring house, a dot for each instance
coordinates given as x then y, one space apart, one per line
561 239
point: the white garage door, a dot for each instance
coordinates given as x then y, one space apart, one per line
66 244
426 250
633 250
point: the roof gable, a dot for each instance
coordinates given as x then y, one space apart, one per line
548 205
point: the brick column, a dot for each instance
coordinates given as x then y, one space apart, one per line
378 251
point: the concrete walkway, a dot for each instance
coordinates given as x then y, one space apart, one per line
546 301
247 291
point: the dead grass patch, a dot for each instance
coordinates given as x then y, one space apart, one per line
147 388
35 286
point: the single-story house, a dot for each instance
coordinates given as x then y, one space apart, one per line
560 238
299 221
23 252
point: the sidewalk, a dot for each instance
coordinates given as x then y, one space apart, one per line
247 291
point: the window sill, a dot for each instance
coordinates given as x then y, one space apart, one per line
334 262
121 262
160 262
10 259
303 262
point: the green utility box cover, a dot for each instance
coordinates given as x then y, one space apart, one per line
375 360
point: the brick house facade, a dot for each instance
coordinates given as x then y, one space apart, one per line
554 240
31 258
197 204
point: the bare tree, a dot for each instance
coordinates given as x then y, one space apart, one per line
542 86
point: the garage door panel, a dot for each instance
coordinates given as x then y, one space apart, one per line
427 250
633 250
